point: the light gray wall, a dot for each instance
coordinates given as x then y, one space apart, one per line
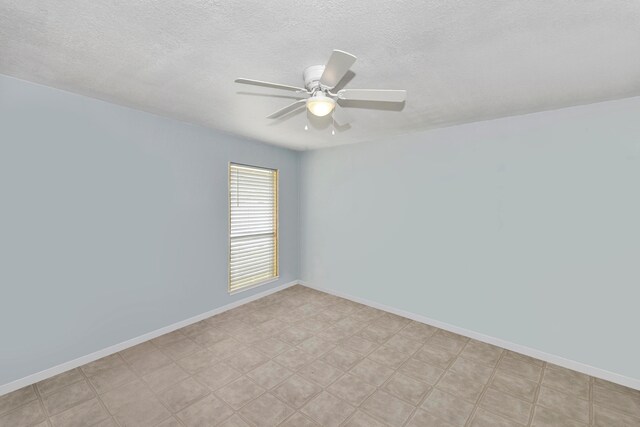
113 223
524 228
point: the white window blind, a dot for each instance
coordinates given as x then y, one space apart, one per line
253 229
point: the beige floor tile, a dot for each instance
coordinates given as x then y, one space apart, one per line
472 370
403 344
422 418
295 335
617 387
312 324
506 406
195 328
418 331
320 372
271 327
362 419
234 421
421 371
23 416
447 407
483 418
371 372
270 374
508 354
109 422
565 404
299 420
388 408
316 346
352 389
217 376
512 384
628 403
448 340
359 345
333 334
209 337
341 358
226 348
148 362
406 388
53 384
296 391
294 359
461 386
239 392
101 365
180 348
521 368
391 321
271 347
84 414
209 411
17 398
266 411
375 333
108 379
566 381
138 350
67 397
169 338
544 417
605 417
328 410
246 360
165 377
169 422
482 352
387 356
183 394
134 404
436 356
195 362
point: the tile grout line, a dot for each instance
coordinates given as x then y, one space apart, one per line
592 420
97 396
444 371
485 388
537 393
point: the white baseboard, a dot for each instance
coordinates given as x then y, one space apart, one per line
550 358
48 373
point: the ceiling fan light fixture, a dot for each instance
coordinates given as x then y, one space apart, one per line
320 105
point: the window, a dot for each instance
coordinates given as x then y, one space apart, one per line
253 226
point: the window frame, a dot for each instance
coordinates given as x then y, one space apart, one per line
276 228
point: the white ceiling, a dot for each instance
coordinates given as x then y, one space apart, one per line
460 61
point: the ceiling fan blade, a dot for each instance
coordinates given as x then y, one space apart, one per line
340 116
287 109
373 95
269 84
337 66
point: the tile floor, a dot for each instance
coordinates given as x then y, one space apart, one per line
301 358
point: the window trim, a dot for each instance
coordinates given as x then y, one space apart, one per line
276 228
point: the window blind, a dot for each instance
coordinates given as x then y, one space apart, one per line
253 226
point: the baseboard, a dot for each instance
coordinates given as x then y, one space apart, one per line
48 373
550 358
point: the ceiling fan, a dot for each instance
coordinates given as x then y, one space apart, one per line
319 81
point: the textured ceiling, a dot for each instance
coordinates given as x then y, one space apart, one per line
460 61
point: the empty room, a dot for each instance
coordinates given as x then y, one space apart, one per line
419 213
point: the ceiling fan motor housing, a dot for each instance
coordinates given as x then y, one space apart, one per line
312 76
